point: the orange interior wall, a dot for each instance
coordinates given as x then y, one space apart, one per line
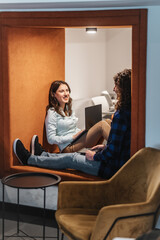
35 59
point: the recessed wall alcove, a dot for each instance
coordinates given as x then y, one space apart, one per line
33 55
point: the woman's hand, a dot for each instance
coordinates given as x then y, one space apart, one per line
98 147
77 134
90 155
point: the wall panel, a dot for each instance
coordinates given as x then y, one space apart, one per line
33 59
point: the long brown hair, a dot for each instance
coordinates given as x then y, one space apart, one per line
123 83
53 102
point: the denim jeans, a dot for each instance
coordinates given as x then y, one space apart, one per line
64 161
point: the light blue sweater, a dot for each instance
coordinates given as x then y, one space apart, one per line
60 130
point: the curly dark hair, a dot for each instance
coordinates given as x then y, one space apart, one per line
53 102
123 83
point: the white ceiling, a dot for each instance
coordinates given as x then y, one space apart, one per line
65 5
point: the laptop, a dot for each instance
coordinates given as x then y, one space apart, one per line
93 114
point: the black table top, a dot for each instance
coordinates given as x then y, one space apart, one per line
31 180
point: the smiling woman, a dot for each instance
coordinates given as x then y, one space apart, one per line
61 123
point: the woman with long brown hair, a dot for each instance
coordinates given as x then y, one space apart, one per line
61 122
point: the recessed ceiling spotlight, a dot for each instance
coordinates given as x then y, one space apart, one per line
91 30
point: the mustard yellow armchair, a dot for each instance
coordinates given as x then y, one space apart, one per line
124 206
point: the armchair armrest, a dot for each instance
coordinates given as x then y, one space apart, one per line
109 216
92 195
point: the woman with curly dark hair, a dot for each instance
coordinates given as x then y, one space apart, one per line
108 159
61 123
117 150
123 89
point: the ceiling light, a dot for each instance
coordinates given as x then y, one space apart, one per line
91 30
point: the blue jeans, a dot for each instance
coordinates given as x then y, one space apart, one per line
64 161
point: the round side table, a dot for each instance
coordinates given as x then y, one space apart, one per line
28 180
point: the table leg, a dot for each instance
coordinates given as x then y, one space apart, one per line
57 233
44 213
62 236
17 210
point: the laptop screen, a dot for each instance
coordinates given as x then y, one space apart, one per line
93 114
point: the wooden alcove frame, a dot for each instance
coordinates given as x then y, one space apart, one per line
135 18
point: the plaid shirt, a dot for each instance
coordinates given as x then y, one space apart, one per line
117 150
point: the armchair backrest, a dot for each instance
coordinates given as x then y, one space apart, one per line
139 179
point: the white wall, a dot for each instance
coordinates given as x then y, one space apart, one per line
31 197
119 52
91 60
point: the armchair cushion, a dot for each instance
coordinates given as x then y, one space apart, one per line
77 223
